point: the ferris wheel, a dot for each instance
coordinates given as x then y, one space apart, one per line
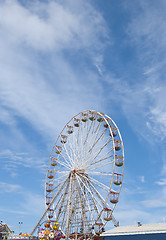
84 175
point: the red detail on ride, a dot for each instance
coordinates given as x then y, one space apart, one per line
74 171
107 209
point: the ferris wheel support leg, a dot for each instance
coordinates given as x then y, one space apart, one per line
116 223
45 212
69 205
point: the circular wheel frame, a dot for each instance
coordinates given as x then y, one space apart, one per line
85 174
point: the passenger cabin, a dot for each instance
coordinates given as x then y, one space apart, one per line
108 213
58 149
76 122
53 161
117 144
114 197
117 178
49 187
50 174
118 161
70 129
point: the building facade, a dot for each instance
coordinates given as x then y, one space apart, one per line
155 231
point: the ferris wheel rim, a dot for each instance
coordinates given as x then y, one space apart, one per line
106 118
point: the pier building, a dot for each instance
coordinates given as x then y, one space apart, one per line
155 231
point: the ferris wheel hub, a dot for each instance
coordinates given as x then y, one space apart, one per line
82 171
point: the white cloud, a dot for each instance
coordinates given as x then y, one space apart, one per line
143 99
155 203
11 162
51 25
161 182
38 82
6 116
142 179
8 187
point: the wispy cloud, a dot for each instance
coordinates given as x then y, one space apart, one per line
55 25
147 32
11 162
161 182
8 187
142 179
41 89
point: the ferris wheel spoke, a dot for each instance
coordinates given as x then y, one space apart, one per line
69 157
94 156
79 190
99 184
63 161
100 173
89 134
91 130
85 136
98 140
101 160
64 164
94 133
87 199
100 166
72 150
64 195
58 202
92 195
82 136
102 200
101 148
76 138
59 184
92 138
75 154
69 205
78 135
63 221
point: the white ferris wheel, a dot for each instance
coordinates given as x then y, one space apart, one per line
84 175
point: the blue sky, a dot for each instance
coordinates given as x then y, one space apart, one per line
58 58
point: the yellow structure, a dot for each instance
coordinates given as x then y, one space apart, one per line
4 231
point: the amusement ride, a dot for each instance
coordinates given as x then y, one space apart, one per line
83 179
